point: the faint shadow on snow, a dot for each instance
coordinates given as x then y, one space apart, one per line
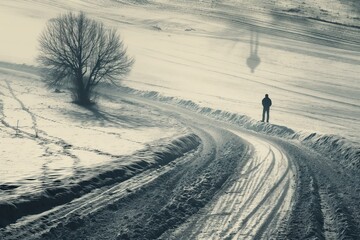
95 116
20 67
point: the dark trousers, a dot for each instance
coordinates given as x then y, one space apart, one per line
267 112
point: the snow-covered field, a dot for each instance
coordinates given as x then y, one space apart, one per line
151 160
310 71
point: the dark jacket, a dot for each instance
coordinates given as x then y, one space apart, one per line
266 102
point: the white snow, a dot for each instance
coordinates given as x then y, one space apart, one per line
45 138
217 59
314 87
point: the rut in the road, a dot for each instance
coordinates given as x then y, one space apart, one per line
254 201
325 207
170 199
162 155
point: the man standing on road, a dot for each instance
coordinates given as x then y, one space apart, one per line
266 102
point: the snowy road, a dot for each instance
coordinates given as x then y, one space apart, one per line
254 204
236 184
253 182
177 152
257 197
280 189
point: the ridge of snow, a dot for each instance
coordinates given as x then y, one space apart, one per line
331 145
153 157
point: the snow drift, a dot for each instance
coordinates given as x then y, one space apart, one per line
332 146
154 156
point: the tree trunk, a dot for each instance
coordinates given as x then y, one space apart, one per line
82 94
83 97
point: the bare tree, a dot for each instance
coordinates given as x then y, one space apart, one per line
81 52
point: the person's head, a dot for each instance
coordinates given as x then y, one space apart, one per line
266 95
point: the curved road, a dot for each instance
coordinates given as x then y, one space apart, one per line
227 188
236 185
256 199
254 203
